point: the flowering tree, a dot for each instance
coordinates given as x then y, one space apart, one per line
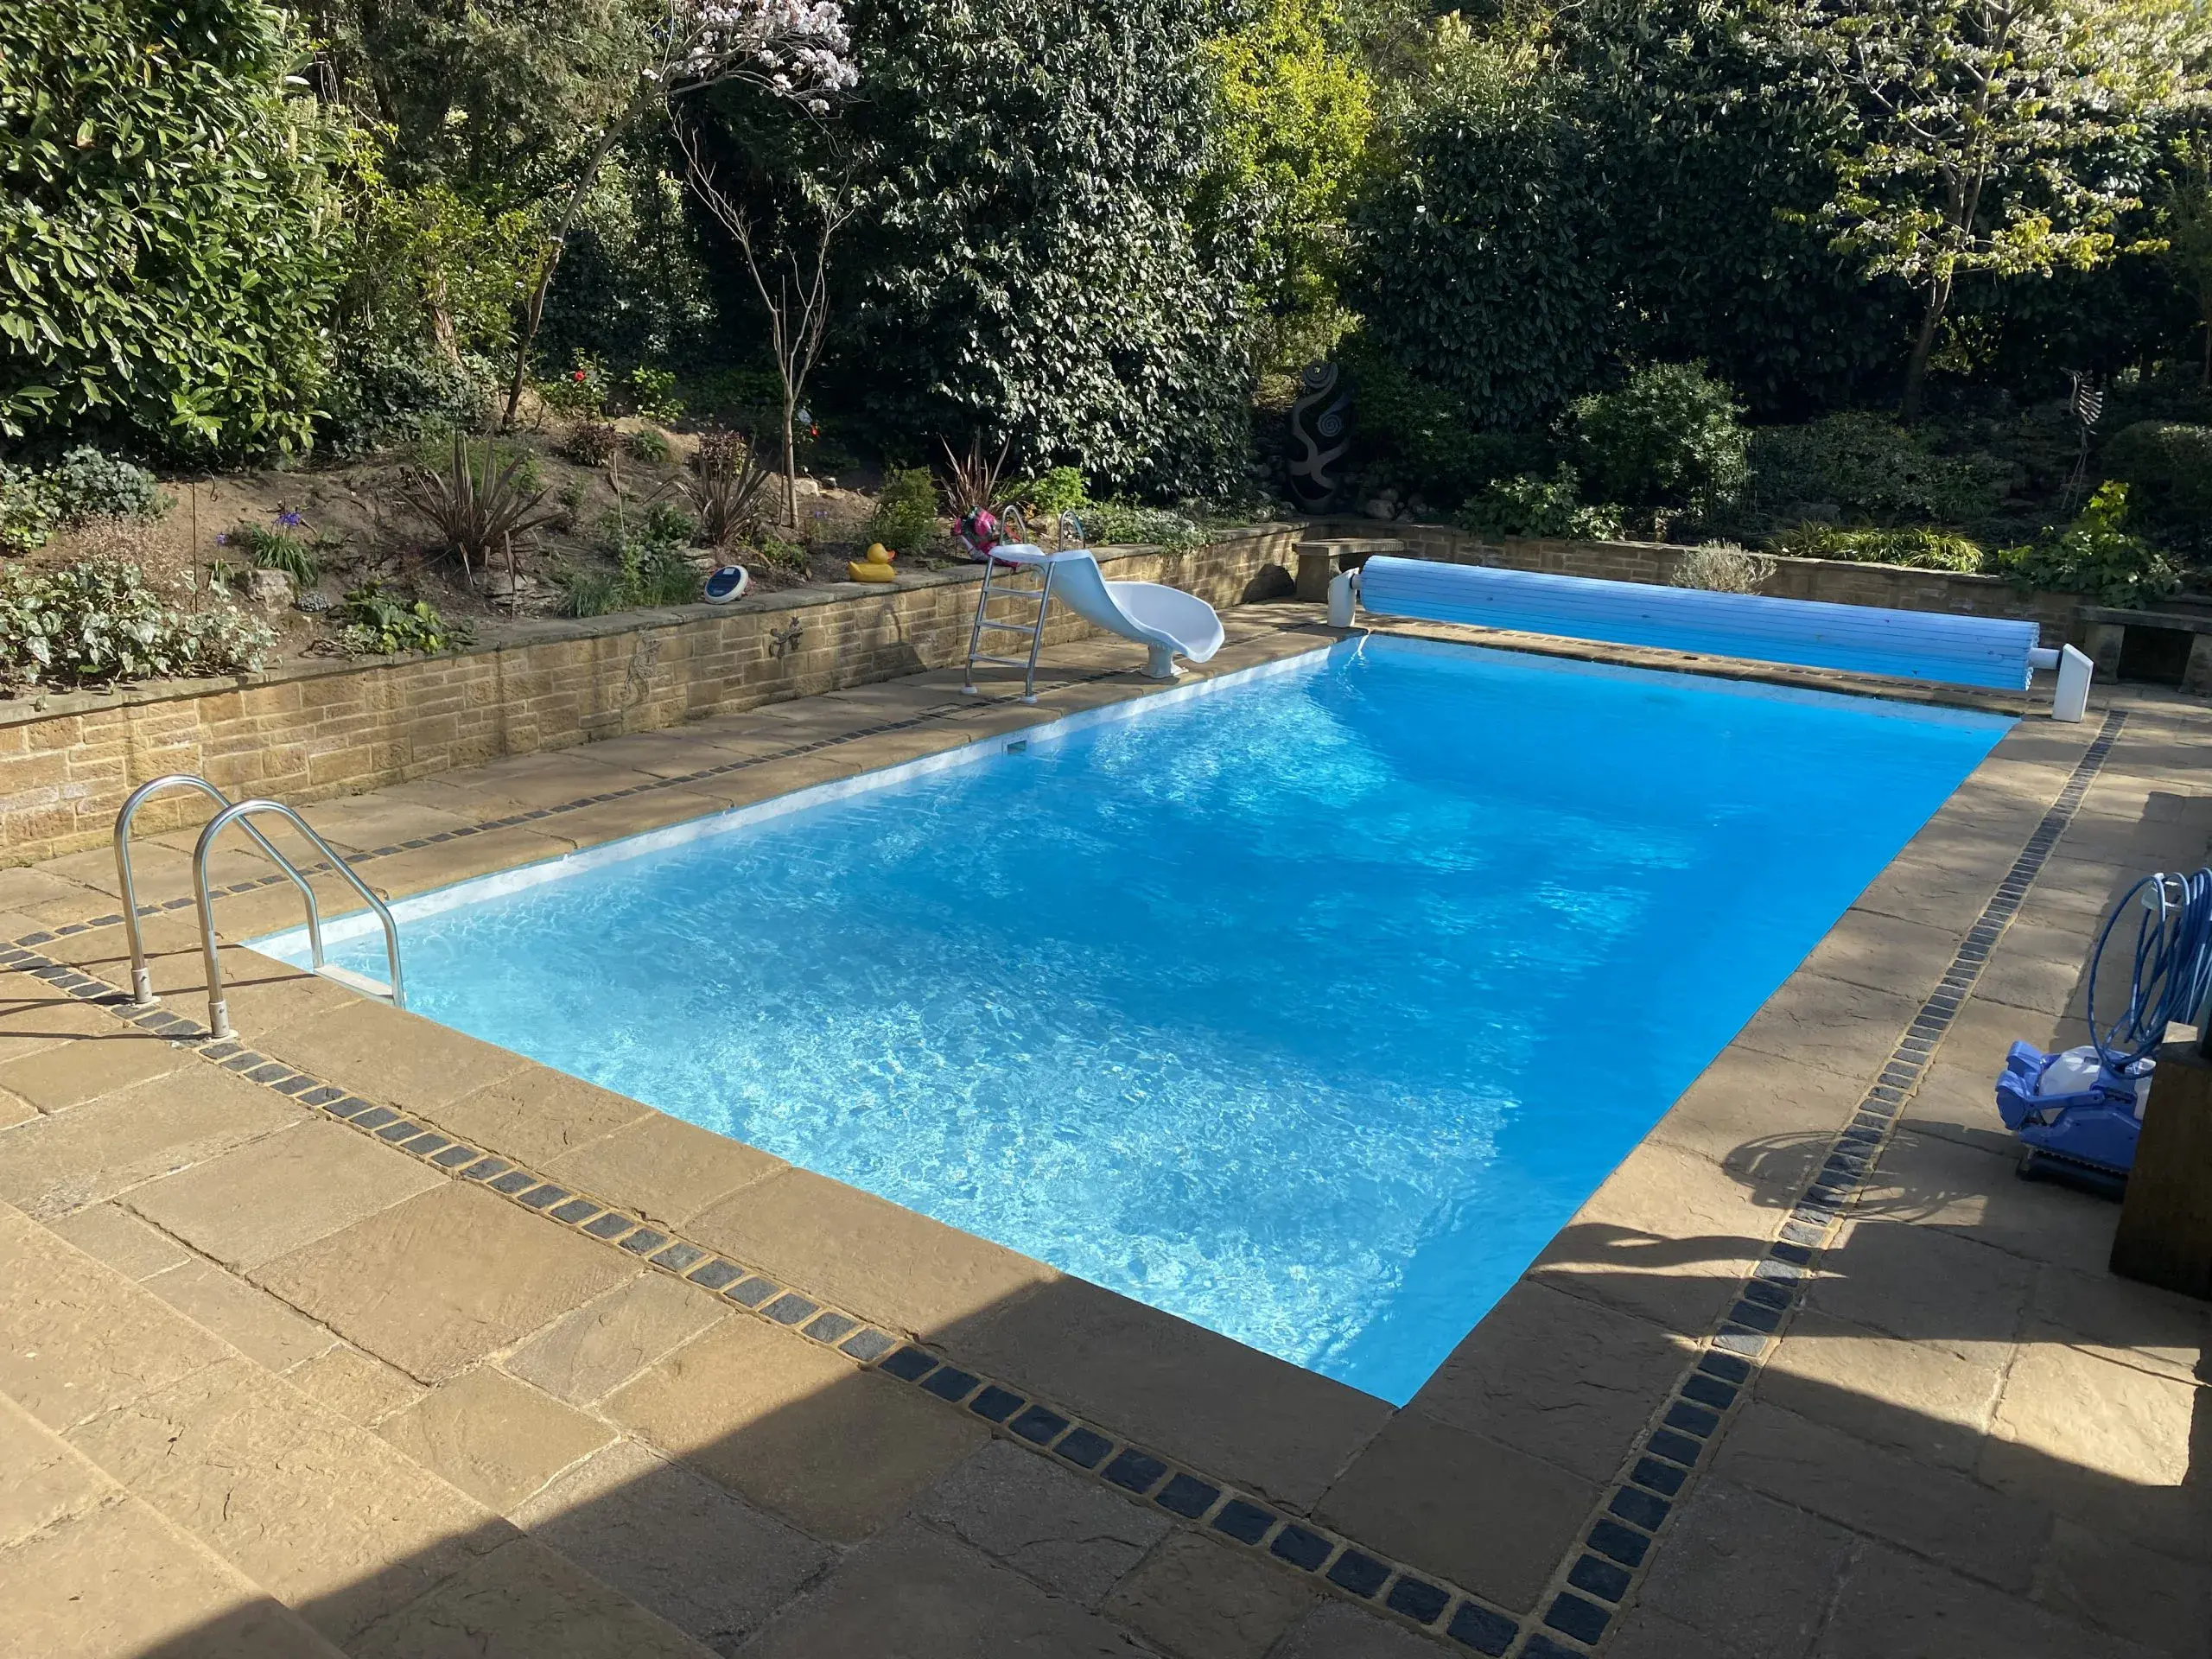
795 50
1985 141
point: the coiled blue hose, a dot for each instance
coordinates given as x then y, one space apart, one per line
2173 966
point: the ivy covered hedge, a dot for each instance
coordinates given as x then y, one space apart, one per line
164 278
1026 264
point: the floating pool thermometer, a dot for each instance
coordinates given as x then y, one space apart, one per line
2083 1109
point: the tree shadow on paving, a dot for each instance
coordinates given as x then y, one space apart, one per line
859 1518
820 1526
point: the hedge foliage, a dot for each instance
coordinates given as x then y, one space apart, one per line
163 273
1480 248
1030 261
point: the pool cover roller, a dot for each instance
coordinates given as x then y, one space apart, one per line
1997 652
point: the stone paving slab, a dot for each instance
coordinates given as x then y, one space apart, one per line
664 1170
417 1066
536 1115
111 1234
116 1580
585 1356
1199 1599
499 1440
523 1601
675 1542
268 1199
794 1428
434 1284
1070 1536
322 1514
1562 1379
883 1261
915 1594
1467 1507
255 1323
138 1134
1285 1432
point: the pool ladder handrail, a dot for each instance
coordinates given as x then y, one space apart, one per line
1010 515
242 813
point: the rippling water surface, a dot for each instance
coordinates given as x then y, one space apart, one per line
1307 1009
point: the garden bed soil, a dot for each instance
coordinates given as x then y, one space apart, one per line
351 514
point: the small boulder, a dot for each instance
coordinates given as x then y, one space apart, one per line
268 590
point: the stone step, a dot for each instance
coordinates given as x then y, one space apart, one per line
1320 558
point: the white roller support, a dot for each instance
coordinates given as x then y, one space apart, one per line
1168 622
1907 644
1343 598
2075 669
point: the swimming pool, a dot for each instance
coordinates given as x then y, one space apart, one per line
1307 1006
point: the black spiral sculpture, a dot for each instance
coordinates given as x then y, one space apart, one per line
1320 433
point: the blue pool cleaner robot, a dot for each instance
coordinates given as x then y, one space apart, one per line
2079 1112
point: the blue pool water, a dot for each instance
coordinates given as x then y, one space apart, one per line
1308 1008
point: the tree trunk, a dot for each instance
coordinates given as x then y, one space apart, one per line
1923 346
534 311
791 463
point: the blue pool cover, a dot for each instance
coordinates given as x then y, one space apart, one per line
1860 638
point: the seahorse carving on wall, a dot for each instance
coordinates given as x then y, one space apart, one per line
1320 433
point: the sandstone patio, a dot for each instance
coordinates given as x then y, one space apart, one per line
359 1336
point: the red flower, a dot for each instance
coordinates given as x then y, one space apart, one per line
578 375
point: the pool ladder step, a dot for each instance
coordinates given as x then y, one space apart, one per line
243 813
1033 629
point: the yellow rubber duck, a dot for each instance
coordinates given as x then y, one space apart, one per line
875 567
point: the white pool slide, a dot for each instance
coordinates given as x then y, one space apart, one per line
1168 622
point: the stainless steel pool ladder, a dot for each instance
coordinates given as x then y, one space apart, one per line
242 813
1034 629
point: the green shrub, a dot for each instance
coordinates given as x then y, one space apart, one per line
652 394
657 572
374 623
1117 524
589 442
24 520
1051 493
2094 555
96 622
1871 467
1540 506
1671 439
1036 256
581 393
904 520
379 397
84 484
588 592
1922 549
785 558
166 262
1481 248
668 525
2167 468
1412 436
652 566
648 444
